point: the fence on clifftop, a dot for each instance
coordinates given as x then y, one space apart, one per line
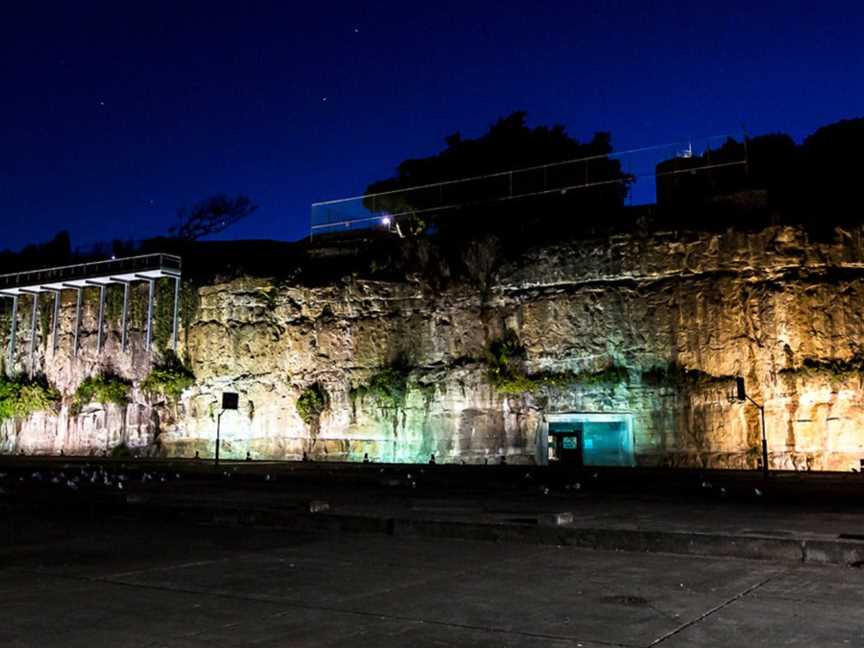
697 156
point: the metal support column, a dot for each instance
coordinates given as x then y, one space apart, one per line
55 324
12 331
176 310
150 292
124 326
742 395
101 317
33 331
77 322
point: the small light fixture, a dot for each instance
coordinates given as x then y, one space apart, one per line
386 221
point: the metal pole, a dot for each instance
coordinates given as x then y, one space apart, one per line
33 331
101 316
55 325
13 330
218 425
150 292
124 326
764 444
764 434
176 305
77 322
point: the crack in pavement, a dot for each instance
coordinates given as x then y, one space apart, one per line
346 605
716 608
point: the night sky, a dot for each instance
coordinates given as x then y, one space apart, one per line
114 115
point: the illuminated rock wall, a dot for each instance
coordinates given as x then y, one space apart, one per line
682 313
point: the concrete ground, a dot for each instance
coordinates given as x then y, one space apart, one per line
132 583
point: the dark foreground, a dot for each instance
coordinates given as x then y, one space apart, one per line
139 584
169 554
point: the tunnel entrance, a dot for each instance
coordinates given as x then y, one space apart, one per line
590 439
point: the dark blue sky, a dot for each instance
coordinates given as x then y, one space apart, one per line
113 115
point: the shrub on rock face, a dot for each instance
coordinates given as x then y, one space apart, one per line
20 397
121 451
311 403
387 388
504 362
168 379
106 388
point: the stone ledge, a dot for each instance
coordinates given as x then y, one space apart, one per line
751 546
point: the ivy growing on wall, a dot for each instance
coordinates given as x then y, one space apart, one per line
190 301
46 315
20 397
105 388
138 306
5 320
114 303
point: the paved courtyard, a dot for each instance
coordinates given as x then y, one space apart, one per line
132 584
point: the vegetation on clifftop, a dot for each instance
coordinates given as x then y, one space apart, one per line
20 397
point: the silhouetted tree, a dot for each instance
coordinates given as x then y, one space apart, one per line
829 184
211 216
814 184
120 248
509 145
57 251
739 182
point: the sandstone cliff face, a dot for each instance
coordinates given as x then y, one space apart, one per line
681 313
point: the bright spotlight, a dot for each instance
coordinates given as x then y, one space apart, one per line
385 221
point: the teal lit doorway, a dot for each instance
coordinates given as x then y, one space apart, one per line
590 439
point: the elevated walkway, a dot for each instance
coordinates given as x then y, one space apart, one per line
129 269
125 271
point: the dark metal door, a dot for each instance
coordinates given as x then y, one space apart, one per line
569 447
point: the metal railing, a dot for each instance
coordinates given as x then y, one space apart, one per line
93 269
624 168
